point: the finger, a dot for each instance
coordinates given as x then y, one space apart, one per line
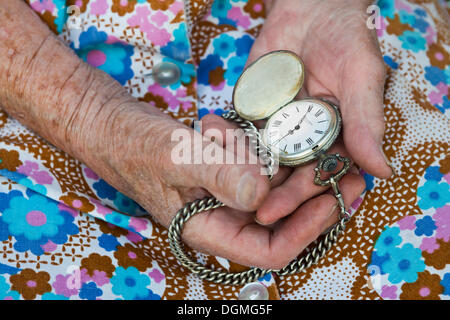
297 188
361 97
234 235
238 184
307 223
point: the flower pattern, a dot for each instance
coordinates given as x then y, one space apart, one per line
104 232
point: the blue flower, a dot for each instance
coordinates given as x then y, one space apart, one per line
90 291
378 261
267 277
150 296
187 72
404 264
420 12
52 296
125 205
108 242
390 62
12 175
178 49
26 182
421 24
243 45
387 8
204 111
227 21
445 282
433 194
104 190
220 8
433 173
8 269
234 69
113 58
435 75
369 181
425 226
388 239
412 40
35 221
130 283
206 65
5 292
61 14
406 18
445 105
224 45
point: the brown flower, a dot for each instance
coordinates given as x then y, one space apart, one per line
109 228
438 56
445 165
255 8
396 27
426 287
129 256
77 3
160 4
122 7
29 283
9 160
97 262
155 101
77 202
216 76
439 258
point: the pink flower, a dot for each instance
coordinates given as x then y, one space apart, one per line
389 292
31 169
157 36
176 7
174 101
156 275
437 97
442 221
236 14
43 5
429 245
159 18
431 35
407 223
400 5
134 237
90 174
138 224
99 7
60 286
49 246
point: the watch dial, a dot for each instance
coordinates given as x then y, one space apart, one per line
297 127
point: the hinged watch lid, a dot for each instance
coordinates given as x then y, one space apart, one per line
268 84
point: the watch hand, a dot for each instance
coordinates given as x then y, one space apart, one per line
289 133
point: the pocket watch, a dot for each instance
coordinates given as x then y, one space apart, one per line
297 131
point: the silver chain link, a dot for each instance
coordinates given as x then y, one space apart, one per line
313 255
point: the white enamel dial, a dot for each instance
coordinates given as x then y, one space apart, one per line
300 129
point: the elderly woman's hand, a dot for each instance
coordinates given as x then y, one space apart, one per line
128 143
343 63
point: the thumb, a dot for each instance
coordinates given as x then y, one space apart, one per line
221 172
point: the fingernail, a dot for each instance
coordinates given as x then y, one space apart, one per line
246 190
387 160
259 222
333 209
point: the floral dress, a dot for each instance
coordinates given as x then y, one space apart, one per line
66 234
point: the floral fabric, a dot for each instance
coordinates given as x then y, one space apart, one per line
66 234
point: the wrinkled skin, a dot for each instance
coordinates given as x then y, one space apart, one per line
128 143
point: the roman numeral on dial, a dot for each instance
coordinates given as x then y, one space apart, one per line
318 113
285 115
310 141
318 131
297 146
277 123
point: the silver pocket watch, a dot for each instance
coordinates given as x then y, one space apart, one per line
296 132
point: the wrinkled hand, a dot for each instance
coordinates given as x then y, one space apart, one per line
343 63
